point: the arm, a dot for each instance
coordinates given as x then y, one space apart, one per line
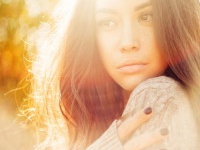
171 109
109 140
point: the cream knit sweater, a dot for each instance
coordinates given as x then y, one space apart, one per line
171 109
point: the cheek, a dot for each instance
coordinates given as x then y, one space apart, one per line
150 48
107 47
147 40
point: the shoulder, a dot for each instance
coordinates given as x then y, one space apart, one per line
160 84
159 93
172 109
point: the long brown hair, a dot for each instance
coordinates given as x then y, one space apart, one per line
177 28
80 93
90 99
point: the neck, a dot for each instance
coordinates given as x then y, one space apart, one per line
126 95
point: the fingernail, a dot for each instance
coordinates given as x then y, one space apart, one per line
148 110
164 131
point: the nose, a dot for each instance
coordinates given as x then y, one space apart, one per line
129 38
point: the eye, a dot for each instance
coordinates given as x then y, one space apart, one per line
107 25
146 18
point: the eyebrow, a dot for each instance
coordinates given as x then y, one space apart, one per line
143 6
137 8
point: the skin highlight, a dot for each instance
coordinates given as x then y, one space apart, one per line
128 36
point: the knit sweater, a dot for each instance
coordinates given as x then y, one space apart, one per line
171 109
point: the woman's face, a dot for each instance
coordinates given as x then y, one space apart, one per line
126 42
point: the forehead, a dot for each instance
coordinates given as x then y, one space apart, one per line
120 3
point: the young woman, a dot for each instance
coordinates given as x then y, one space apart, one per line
114 59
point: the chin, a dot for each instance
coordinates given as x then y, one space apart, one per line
130 87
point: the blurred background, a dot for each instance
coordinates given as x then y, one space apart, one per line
21 21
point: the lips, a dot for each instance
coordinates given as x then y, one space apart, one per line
131 66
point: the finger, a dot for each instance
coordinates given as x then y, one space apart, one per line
145 140
129 125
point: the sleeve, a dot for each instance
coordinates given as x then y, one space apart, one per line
108 141
171 109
